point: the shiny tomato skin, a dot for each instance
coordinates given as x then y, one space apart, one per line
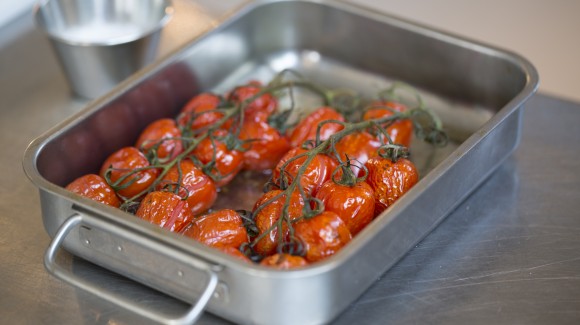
228 162
266 145
166 210
400 131
284 261
199 189
267 216
165 132
390 180
265 103
319 170
322 235
123 162
94 187
306 128
200 112
359 147
355 205
218 229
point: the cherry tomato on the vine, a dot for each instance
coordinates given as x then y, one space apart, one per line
322 235
284 261
227 162
133 164
358 147
192 184
269 214
265 103
164 135
166 210
235 252
400 131
355 205
218 229
265 144
200 112
319 170
95 188
307 127
390 180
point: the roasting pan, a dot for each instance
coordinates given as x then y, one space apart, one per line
477 90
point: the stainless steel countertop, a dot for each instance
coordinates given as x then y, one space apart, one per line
509 254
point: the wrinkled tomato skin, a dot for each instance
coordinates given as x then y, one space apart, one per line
166 210
319 170
94 187
124 161
355 205
284 261
359 147
266 103
165 132
400 131
306 128
390 180
218 229
227 162
322 235
267 216
200 112
199 189
267 145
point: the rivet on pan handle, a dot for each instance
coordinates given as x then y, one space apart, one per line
50 263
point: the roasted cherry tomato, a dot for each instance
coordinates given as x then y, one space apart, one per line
266 216
265 144
390 180
355 205
306 129
95 188
164 136
227 162
322 235
284 261
319 170
201 112
400 131
265 103
233 251
359 147
133 164
166 210
192 184
218 229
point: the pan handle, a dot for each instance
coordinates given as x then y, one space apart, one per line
58 271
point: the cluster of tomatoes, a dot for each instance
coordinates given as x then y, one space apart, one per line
329 177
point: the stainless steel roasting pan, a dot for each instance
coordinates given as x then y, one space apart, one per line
479 92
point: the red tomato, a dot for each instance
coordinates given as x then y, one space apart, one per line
227 162
284 261
166 210
306 129
400 131
390 180
218 229
199 189
355 205
233 251
359 146
165 135
265 103
267 145
201 112
124 162
319 170
322 235
95 188
268 215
